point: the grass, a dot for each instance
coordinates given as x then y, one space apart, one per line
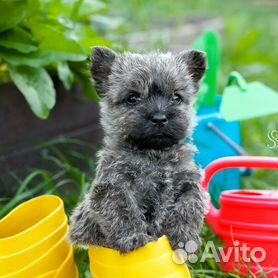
248 46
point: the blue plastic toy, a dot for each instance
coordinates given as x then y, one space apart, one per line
215 138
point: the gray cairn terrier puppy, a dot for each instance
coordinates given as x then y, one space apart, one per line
147 183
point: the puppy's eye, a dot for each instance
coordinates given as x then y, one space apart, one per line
133 98
176 99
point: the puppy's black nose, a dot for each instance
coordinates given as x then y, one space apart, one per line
159 118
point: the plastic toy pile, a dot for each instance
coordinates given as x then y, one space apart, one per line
247 218
218 133
33 241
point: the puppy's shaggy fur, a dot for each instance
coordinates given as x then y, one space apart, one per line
147 183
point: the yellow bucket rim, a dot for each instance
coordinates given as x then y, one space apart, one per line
62 226
59 206
154 257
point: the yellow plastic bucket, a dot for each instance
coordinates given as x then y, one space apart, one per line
154 260
33 241
16 261
30 222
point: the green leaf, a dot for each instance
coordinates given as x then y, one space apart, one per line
53 8
11 13
88 88
83 9
83 77
54 38
36 86
18 39
65 75
74 9
87 37
34 10
38 58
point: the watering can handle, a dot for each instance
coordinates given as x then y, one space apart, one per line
259 162
235 76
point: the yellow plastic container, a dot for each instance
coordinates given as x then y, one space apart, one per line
154 260
19 260
30 222
33 241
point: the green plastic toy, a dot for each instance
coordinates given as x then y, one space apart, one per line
209 42
242 100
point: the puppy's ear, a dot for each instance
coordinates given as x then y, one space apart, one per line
102 59
196 63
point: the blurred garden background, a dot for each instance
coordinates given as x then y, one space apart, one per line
49 131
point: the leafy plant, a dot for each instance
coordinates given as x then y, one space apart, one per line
41 38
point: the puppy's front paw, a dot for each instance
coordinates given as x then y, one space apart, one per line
190 242
130 243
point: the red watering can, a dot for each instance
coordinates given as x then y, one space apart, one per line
247 221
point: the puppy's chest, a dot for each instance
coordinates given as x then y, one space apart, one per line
151 185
